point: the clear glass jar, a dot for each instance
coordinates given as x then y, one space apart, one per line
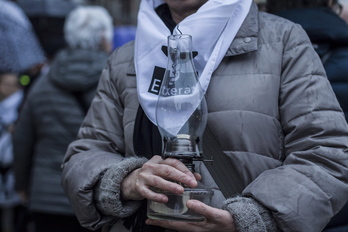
175 209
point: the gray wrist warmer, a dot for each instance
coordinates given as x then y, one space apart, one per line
249 215
107 192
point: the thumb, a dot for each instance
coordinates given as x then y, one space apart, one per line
199 207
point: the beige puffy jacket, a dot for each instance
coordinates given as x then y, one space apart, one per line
270 106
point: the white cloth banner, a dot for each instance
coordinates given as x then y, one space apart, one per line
213 28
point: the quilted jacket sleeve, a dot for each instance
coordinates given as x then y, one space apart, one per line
314 176
100 145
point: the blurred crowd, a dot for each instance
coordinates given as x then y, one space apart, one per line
49 71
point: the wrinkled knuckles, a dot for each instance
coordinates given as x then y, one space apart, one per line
141 175
174 162
144 192
167 172
157 159
154 182
147 166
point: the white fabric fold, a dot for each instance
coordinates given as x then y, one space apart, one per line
213 28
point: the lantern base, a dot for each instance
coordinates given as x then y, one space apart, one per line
175 209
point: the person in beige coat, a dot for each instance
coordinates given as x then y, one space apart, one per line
270 107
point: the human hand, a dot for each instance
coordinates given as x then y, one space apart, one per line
216 220
157 172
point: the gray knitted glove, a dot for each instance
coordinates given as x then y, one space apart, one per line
249 215
107 192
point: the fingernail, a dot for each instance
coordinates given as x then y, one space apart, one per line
180 189
193 182
190 203
193 202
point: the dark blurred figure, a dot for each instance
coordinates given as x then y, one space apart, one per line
20 53
329 35
52 114
261 4
47 18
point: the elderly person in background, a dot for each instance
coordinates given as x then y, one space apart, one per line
53 113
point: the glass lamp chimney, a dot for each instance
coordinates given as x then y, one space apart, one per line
181 115
181 111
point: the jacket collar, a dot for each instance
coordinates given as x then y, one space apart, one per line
247 37
245 41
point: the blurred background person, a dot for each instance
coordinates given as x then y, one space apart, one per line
11 96
328 33
52 114
47 19
323 21
20 53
